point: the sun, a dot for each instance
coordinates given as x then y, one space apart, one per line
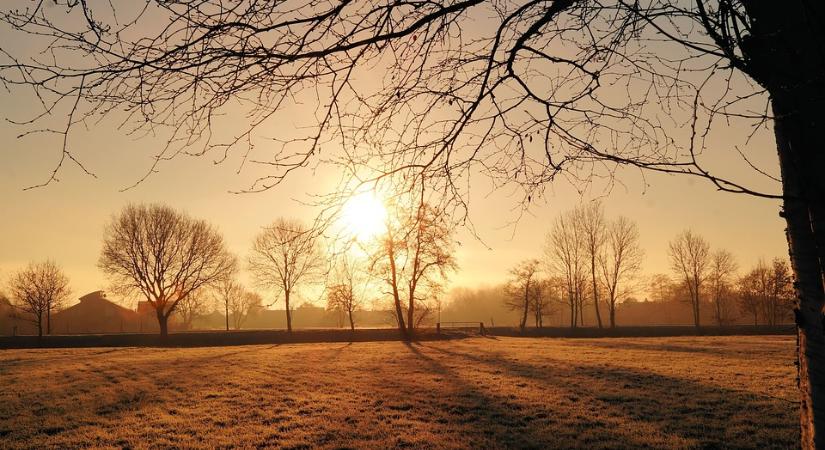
364 216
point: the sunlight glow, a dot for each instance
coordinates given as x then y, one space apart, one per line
364 216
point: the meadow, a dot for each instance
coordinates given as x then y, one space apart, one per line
502 392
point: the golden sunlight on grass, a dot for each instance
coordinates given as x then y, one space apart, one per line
364 215
706 392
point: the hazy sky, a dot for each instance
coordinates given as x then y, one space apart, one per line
64 220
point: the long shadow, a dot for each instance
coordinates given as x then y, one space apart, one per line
507 423
715 416
492 418
624 345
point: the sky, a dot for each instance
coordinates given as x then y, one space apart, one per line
64 220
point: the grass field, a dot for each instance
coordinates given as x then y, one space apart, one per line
693 392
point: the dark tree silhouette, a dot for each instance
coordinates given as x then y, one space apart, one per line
565 255
413 256
284 256
344 295
721 272
519 91
521 289
228 291
690 259
38 290
162 255
620 262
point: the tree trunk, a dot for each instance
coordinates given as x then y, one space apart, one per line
49 321
163 322
351 322
288 312
595 290
411 314
800 193
612 314
526 308
226 305
40 325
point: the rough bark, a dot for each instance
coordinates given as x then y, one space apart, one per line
809 284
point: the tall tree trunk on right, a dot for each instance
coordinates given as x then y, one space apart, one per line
288 312
806 259
612 314
526 308
227 315
595 290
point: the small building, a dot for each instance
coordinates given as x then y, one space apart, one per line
95 313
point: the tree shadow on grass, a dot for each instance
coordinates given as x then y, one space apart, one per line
721 351
503 420
708 416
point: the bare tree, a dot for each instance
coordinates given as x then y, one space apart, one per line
620 262
344 296
781 294
227 291
722 269
766 291
521 288
284 256
564 254
38 290
413 256
750 288
542 294
192 306
243 305
162 255
690 259
660 287
590 218
455 98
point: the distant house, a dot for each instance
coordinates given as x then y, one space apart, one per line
95 314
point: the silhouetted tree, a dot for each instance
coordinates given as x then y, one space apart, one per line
565 255
766 291
454 97
750 291
162 255
227 291
521 288
242 306
192 306
342 296
593 228
690 259
721 271
620 262
541 294
284 256
38 290
661 287
414 253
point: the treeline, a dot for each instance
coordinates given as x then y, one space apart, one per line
589 274
591 267
179 268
